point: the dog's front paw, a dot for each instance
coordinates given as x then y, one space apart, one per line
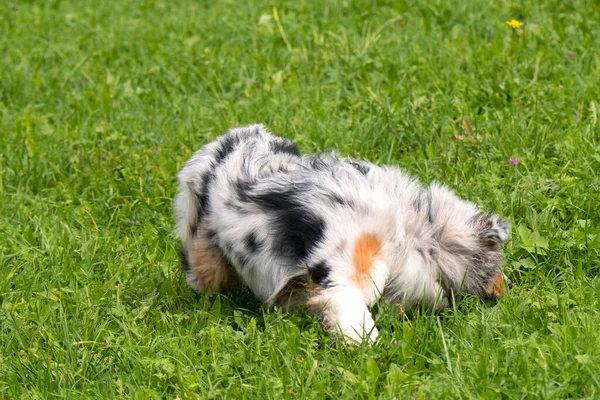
357 334
344 314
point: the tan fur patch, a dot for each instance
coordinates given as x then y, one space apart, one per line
498 287
366 251
209 268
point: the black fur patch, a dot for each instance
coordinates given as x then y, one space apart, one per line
241 189
228 144
296 230
252 243
423 203
418 202
363 169
284 146
319 273
203 199
321 161
183 257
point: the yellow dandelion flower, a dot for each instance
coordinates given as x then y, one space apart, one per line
513 23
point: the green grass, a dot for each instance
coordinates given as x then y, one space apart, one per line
102 102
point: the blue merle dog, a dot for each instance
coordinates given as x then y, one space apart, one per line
331 234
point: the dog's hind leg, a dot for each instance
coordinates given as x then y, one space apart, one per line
205 265
343 309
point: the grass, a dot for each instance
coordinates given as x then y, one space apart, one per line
102 102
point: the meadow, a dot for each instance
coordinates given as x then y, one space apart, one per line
102 102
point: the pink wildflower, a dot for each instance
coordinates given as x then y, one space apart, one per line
513 160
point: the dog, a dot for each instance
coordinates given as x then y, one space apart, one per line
328 234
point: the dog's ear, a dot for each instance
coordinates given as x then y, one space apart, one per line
493 230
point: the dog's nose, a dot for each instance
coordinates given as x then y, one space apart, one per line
509 284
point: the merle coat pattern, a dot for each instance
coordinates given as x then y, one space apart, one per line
332 234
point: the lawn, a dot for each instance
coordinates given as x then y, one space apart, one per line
102 102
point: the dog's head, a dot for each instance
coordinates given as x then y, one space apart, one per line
483 276
468 246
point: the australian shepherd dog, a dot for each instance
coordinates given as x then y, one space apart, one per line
332 234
